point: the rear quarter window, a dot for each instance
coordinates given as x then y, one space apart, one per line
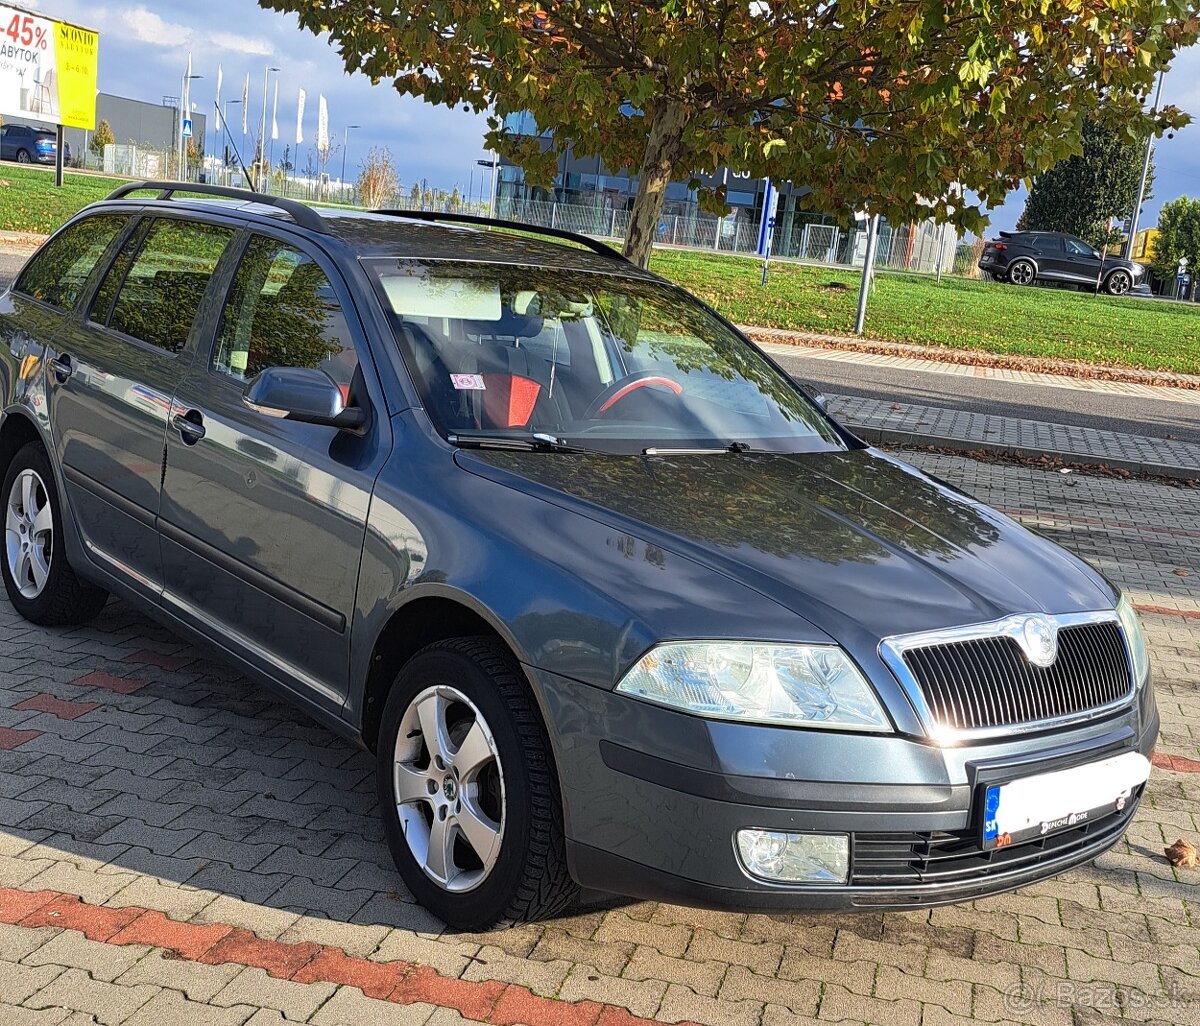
59 270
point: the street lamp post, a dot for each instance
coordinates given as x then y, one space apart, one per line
262 130
345 143
1141 194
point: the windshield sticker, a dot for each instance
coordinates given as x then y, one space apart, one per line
467 382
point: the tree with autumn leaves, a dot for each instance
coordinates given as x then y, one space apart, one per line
892 105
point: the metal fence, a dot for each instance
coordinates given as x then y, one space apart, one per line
923 246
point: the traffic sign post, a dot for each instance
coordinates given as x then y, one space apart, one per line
766 226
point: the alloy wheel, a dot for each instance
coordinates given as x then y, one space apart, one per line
1119 283
1021 273
23 157
29 533
448 786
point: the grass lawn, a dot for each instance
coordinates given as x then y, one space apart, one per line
958 313
29 201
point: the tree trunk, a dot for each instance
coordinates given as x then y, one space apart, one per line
663 147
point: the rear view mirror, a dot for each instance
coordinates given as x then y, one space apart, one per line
304 394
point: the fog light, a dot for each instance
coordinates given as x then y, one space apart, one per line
795 858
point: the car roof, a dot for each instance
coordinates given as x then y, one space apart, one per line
418 235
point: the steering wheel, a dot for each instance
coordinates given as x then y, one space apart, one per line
625 386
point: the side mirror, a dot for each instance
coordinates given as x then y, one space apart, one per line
305 394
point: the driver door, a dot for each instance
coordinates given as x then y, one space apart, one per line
263 519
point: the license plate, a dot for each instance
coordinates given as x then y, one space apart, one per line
1052 802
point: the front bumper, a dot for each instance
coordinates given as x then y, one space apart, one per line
653 800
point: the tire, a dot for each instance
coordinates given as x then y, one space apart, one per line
1118 282
40 583
496 782
1021 272
23 157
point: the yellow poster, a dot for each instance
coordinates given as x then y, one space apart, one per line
78 53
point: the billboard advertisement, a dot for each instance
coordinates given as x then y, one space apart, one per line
47 69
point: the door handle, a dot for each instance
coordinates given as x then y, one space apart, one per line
190 426
62 367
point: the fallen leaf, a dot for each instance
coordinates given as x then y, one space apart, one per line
1182 853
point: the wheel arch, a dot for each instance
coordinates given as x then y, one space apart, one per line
435 615
16 431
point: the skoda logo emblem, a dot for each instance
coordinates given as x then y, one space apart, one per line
1038 640
450 789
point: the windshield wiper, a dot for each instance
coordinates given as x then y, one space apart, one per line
736 447
523 443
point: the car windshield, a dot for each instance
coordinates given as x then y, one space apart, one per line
603 362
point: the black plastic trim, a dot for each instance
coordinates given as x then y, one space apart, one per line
310 607
126 506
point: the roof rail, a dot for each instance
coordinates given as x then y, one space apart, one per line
301 213
438 216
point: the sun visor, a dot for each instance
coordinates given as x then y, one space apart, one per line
417 293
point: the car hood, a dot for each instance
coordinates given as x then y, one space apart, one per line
860 545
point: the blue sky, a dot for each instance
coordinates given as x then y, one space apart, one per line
144 48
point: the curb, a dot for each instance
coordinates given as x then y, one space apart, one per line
890 437
1052 366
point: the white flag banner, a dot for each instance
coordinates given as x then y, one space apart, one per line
245 101
275 114
300 118
220 79
322 125
185 106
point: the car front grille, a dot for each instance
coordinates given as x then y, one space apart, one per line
948 857
987 682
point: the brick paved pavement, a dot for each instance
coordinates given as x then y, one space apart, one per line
895 423
178 847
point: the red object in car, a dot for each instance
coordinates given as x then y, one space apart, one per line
509 399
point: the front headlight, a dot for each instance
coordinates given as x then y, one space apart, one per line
790 685
1135 638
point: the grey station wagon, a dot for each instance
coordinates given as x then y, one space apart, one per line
618 607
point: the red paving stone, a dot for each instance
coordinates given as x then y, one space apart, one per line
11 738
375 979
188 940
277 958
94 922
57 707
1191 614
491 1001
1178 763
121 685
163 662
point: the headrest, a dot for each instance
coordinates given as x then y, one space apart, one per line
510 325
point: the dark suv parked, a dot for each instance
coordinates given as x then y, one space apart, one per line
1025 257
615 604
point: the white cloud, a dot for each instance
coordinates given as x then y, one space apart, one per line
145 26
241 44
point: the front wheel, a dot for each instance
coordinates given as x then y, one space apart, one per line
1118 283
1021 272
23 157
41 585
467 789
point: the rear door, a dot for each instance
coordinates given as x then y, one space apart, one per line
263 519
110 379
48 290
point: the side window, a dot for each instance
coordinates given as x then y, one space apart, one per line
59 270
155 297
282 312
1047 244
1077 248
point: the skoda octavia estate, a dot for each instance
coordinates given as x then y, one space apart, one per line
617 606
